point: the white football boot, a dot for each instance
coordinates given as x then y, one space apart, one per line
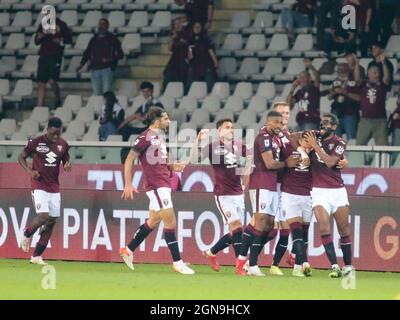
38 260
182 268
255 271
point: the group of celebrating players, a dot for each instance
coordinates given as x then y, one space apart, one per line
289 177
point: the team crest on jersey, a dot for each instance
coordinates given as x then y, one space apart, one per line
228 214
331 145
165 202
266 143
263 206
59 148
154 141
42 149
38 206
220 151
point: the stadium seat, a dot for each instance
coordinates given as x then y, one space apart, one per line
94 129
7 4
243 90
199 117
246 118
138 20
71 4
86 115
211 104
234 103
391 105
28 68
258 104
65 114
232 43
264 4
14 42
221 90
224 114
23 89
393 46
187 132
18 136
198 90
188 103
318 62
281 5
21 20
89 23
4 19
30 128
95 103
7 64
226 67
267 90
240 20
255 43
116 20
73 102
161 21
4 87
248 67
279 43
262 20
138 101
180 116
32 28
114 138
77 128
70 72
94 5
115 4
8 126
273 66
174 89
70 17
127 88
139 4
123 101
303 43
131 43
80 45
295 66
325 105
41 115
31 49
168 102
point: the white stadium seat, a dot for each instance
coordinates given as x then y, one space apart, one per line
138 20
131 43
243 90
248 67
232 43
240 20
272 67
263 20
255 43
221 90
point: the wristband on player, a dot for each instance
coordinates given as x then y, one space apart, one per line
304 154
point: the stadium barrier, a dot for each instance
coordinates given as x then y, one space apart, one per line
94 224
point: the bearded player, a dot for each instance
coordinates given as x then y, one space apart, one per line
224 155
150 148
48 151
329 195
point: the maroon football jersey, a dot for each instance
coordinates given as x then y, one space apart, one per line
224 158
47 156
261 177
373 100
297 180
307 98
153 156
322 176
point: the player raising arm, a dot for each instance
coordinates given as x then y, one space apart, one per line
47 151
151 150
329 195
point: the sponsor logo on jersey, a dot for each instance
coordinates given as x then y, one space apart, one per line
266 143
220 151
59 148
42 149
154 141
51 157
339 149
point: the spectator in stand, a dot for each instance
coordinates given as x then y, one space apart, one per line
351 59
51 51
139 116
346 109
202 58
112 115
339 39
333 7
364 9
372 96
177 67
306 98
299 15
201 11
103 51
395 124
377 52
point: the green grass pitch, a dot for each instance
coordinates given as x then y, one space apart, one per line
89 280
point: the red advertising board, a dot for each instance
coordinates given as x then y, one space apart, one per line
359 181
94 224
